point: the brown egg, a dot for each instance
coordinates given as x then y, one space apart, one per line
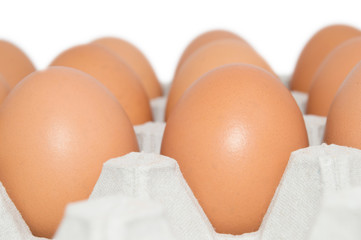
232 134
331 74
343 120
207 58
58 127
203 40
4 88
136 60
316 51
110 70
14 64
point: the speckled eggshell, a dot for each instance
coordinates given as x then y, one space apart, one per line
315 52
4 88
14 64
136 60
232 134
331 74
58 127
204 39
116 75
343 121
207 58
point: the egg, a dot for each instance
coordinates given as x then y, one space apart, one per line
331 74
4 88
203 40
58 127
208 57
315 52
343 120
14 64
111 71
232 134
136 60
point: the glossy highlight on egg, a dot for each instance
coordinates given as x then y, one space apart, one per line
222 144
58 126
232 134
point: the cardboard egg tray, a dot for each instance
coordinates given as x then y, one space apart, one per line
144 196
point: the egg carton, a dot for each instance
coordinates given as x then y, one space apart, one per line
146 191
144 196
149 137
340 216
115 217
312 173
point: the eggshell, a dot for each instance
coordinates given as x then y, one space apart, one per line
137 61
203 40
315 52
58 127
331 74
4 88
110 70
14 64
208 57
344 118
232 134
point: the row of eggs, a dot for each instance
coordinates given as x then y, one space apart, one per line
231 124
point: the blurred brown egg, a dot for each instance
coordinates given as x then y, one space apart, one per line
110 70
204 39
14 64
344 118
4 88
331 74
58 127
136 60
207 58
232 134
316 51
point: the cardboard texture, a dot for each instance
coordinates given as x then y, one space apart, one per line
144 195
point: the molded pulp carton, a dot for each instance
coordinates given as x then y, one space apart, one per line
144 196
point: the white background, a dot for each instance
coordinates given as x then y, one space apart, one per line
162 29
